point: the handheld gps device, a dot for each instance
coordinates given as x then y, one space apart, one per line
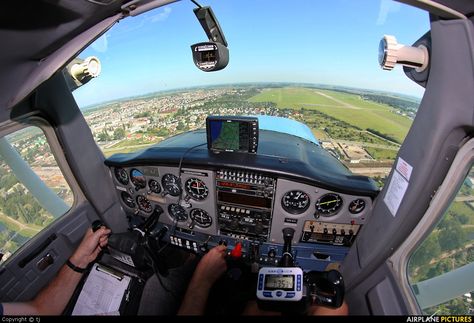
280 284
233 134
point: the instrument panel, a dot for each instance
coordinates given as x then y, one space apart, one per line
238 205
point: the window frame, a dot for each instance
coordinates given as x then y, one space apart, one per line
440 203
32 120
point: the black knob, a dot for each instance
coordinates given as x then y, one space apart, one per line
325 231
96 225
223 242
306 236
272 253
343 232
334 231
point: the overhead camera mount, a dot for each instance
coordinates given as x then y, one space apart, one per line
212 55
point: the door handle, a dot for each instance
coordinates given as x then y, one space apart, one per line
45 262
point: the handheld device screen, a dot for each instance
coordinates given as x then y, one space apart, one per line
283 282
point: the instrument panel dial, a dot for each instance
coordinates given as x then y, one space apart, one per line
177 212
154 186
295 202
137 178
171 184
196 188
357 206
121 175
144 204
128 200
201 217
328 204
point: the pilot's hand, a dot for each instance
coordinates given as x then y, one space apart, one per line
212 266
90 247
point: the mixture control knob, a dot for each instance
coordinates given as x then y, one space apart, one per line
223 242
272 253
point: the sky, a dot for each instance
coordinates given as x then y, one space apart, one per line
332 42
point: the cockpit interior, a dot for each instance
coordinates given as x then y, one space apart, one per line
359 193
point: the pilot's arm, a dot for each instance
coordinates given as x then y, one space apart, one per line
209 269
53 298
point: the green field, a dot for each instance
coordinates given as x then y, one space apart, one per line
349 108
381 154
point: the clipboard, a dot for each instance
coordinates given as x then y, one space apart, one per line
103 292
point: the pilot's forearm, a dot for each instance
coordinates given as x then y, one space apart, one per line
51 300
195 300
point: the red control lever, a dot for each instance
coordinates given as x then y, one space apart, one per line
236 253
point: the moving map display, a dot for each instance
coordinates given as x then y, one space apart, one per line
232 134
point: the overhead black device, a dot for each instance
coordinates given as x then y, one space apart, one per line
214 54
209 56
233 134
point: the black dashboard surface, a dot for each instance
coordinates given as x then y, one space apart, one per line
278 153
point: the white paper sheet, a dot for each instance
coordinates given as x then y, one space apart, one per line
395 192
102 293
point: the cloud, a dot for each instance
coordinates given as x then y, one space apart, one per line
161 16
386 7
101 44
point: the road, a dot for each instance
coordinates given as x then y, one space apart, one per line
464 198
366 144
344 104
4 218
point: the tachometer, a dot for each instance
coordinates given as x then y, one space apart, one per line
295 202
137 178
177 212
128 200
121 175
144 204
201 217
171 184
196 188
154 186
328 204
356 206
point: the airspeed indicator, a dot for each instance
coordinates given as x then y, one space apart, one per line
295 202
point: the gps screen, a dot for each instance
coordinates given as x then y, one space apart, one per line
231 134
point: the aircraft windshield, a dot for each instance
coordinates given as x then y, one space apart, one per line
314 62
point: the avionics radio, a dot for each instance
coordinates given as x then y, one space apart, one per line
244 201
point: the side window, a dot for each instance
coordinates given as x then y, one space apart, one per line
33 190
441 270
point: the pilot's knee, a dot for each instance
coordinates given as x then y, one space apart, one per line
324 310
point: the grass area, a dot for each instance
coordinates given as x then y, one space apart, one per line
127 149
349 108
319 134
379 153
11 225
462 209
29 233
469 231
131 142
